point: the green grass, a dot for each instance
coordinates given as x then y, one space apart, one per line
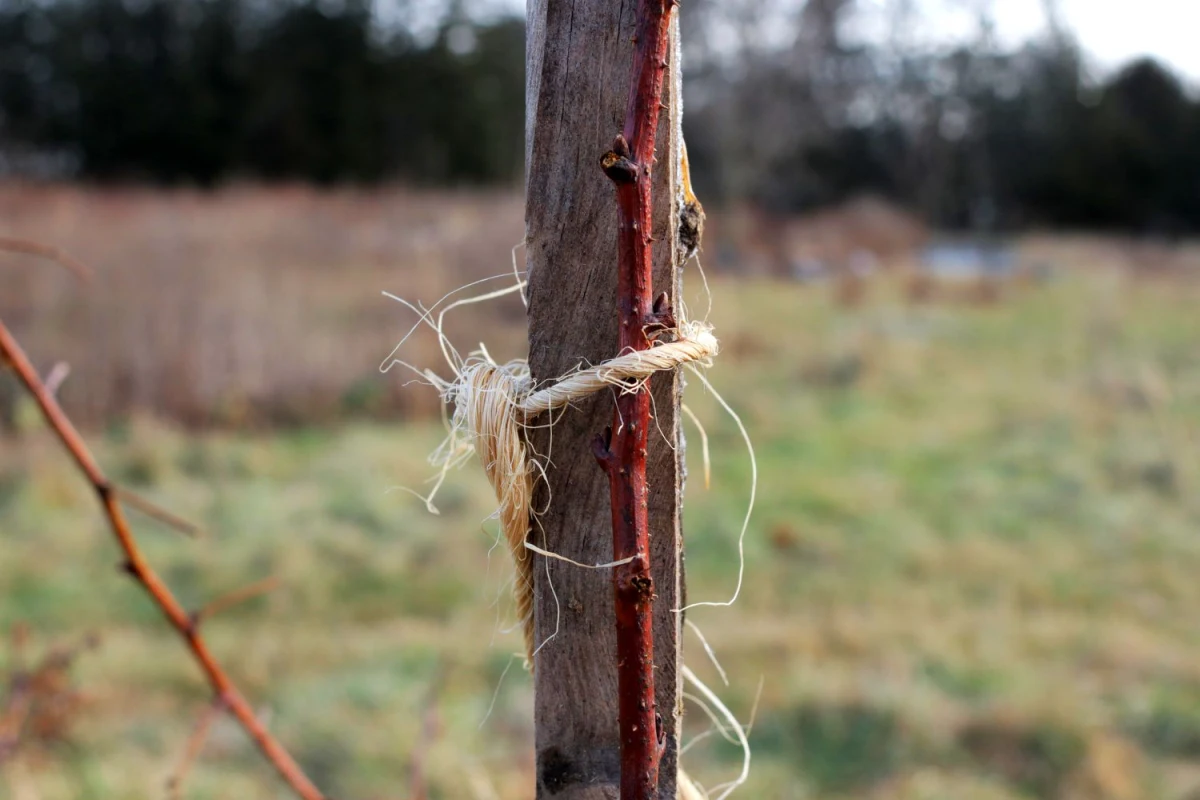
971 572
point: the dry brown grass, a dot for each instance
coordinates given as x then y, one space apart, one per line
247 305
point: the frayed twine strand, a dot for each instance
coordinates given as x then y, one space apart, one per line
494 403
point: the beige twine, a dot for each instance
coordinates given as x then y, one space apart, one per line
494 403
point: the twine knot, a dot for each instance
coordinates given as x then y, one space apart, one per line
493 403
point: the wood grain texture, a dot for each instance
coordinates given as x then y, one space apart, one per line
579 59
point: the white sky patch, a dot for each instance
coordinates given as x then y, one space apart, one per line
1115 31
1111 32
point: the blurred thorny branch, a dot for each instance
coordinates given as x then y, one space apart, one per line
113 501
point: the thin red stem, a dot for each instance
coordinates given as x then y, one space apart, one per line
195 746
136 565
9 244
623 451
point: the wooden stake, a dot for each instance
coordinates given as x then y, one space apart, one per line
598 659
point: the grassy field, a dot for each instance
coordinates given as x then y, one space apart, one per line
971 573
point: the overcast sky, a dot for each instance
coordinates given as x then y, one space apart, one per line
1111 31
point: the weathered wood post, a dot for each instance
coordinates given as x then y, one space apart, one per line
580 55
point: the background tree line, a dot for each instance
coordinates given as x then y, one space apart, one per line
970 133
201 90
785 108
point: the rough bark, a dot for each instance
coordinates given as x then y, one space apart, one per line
578 91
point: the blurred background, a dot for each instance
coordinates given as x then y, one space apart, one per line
952 251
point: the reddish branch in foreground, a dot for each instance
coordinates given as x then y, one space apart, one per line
31 248
623 453
186 625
